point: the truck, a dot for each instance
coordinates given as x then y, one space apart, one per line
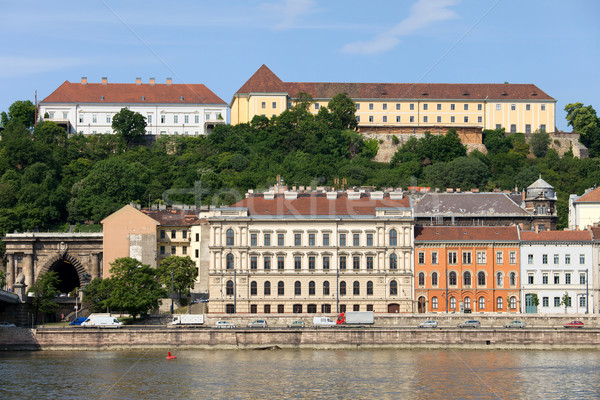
356 318
323 321
102 321
188 319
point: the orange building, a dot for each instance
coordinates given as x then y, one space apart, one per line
467 269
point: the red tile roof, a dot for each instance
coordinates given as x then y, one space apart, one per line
318 204
131 93
592 196
264 80
556 236
466 233
172 217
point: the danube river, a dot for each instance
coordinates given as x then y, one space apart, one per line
301 374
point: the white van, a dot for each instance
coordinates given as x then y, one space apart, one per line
323 321
102 321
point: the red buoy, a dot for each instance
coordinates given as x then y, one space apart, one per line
170 357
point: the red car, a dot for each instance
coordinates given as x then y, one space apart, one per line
574 324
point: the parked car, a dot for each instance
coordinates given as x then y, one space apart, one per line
224 325
258 323
78 321
7 325
574 324
472 323
428 324
296 324
515 324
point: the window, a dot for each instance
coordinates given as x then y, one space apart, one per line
253 239
499 304
582 259
421 279
393 261
184 250
326 288
452 257
326 263
467 302
326 239
498 126
439 107
499 280
369 239
358 118
499 257
479 119
196 119
542 127
280 239
411 119
439 119
356 288
530 279
568 301
527 107
512 257
356 263
229 237
529 258
317 106
267 263
581 301
527 128
274 104
393 238
498 107
543 107
512 279
297 239
94 118
370 106
466 119
544 278
280 288
369 288
358 106
267 239
297 288
434 257
311 288
280 263
355 239
568 278
80 118
421 257
162 250
342 239
175 119
411 106
434 279
163 235
174 235
556 279
545 301
342 288
393 288
425 119
513 128
513 107
384 105
263 105
297 308
267 309
467 279
384 118
311 239
567 259
229 261
397 118
557 302
197 253
582 279
342 262
425 106
434 303
311 262
452 119
369 262
107 119
229 288
253 288
466 257
466 107
452 303
481 303
297 263
163 118
452 107
479 107
253 262
545 259
452 278
326 308
397 106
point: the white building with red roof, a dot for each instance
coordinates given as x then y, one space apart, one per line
584 210
169 109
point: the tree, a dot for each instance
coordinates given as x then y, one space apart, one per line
23 111
565 301
96 295
343 111
129 125
134 287
534 299
539 143
585 122
43 292
184 272
2 278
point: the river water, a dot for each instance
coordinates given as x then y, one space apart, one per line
301 374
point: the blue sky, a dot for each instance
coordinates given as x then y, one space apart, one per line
551 43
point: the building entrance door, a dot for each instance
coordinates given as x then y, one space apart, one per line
530 307
422 305
393 308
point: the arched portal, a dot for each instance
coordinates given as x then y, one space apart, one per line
422 305
68 278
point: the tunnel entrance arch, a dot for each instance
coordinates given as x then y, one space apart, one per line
68 278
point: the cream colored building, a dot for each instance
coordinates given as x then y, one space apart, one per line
311 252
407 108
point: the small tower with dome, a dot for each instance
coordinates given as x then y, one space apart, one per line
540 200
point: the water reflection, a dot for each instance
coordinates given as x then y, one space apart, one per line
301 374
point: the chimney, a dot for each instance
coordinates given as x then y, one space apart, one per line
169 81
152 81
138 81
104 80
84 80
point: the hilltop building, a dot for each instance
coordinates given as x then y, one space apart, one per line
169 109
407 108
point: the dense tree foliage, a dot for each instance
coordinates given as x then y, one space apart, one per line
585 122
181 271
129 125
43 292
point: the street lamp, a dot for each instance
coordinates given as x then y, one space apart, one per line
172 285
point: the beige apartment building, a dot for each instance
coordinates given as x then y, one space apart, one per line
311 252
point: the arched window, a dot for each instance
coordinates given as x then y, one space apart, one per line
421 279
342 288
513 303
311 288
229 237
481 278
499 280
513 279
393 288
393 261
481 303
369 288
297 288
229 288
280 288
434 303
326 288
452 303
356 288
467 303
434 279
393 238
253 288
467 279
229 261
267 288
499 304
452 278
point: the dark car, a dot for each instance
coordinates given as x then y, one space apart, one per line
574 324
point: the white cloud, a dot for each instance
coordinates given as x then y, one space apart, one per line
288 12
423 13
13 66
